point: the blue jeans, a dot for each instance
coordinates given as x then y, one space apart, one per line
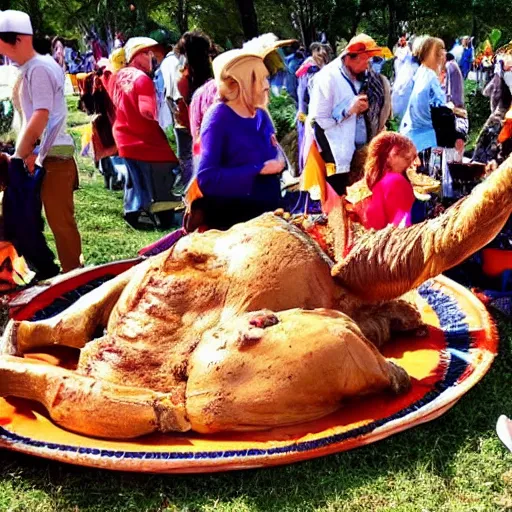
148 183
184 142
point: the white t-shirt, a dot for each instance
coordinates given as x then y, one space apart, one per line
170 69
42 87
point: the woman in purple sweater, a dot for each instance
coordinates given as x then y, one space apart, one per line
237 177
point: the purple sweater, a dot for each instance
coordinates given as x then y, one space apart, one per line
233 152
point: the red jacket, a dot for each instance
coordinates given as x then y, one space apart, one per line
136 130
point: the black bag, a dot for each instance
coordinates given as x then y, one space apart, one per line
443 121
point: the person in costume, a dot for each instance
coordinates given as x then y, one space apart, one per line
454 82
427 92
454 88
306 73
386 195
404 79
494 143
57 51
402 54
339 112
239 166
467 57
202 100
267 46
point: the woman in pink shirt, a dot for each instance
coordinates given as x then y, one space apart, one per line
389 156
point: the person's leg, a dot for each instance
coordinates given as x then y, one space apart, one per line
184 143
338 181
323 143
23 222
57 196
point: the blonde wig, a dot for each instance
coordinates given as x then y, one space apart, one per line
244 78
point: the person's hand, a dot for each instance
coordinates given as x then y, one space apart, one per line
491 167
30 162
459 146
359 105
272 167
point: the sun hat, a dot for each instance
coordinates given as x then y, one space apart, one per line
17 22
264 47
117 59
228 59
505 54
362 43
135 45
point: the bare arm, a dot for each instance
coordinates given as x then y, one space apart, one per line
32 133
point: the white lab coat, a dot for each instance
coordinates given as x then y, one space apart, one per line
332 90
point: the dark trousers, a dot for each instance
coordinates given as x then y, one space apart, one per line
23 221
322 141
222 213
184 146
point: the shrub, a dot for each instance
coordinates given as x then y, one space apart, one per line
283 112
478 107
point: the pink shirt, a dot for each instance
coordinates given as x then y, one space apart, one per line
202 100
390 203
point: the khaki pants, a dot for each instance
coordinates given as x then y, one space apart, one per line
59 183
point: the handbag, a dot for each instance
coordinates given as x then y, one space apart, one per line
443 121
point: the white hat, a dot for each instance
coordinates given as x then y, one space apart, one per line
135 45
15 21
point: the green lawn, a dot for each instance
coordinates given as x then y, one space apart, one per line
455 463
105 235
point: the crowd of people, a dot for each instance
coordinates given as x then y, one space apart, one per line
228 164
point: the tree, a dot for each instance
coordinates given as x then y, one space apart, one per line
248 18
181 16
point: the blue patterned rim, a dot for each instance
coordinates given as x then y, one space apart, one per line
452 321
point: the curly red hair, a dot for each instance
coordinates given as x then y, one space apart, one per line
378 153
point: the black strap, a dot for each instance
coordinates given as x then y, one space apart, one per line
352 86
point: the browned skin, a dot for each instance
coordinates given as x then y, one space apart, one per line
182 349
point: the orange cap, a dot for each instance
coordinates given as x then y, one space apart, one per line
362 43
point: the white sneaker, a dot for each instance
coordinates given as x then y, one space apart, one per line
504 431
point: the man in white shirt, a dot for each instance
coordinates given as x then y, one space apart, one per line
338 102
43 140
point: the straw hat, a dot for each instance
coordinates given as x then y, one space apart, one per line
117 59
227 60
263 48
505 54
136 45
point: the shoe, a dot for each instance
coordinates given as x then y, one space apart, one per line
504 431
44 277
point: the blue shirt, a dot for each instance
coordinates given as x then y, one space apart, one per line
417 122
361 136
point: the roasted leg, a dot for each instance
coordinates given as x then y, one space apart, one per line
265 370
379 321
386 264
91 407
75 326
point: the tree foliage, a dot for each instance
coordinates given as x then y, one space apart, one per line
229 22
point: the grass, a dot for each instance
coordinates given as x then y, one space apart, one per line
455 463
99 212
